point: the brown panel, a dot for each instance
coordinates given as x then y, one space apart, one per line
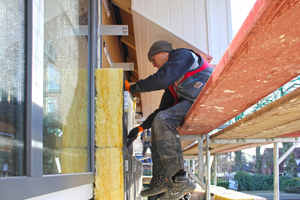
123 4
132 55
111 42
295 134
127 20
129 40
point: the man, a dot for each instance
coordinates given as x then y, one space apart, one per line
182 74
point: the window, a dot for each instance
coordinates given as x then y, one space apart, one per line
12 88
65 120
47 97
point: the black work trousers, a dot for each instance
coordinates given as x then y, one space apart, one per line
166 148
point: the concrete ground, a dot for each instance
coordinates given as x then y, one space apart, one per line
269 195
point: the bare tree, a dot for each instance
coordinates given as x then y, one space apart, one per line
258 163
291 164
238 161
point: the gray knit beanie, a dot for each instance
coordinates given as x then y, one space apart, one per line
159 46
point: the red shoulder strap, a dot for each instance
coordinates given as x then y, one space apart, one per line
171 88
188 74
203 67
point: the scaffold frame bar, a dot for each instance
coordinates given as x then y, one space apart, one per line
255 140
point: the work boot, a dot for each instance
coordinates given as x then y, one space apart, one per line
181 186
187 196
160 185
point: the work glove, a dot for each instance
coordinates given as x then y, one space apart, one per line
127 86
133 134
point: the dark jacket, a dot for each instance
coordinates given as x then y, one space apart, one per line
179 63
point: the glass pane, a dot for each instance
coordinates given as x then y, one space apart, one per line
65 87
12 87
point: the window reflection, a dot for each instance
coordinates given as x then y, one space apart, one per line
12 87
65 88
52 72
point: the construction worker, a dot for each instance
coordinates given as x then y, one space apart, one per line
182 73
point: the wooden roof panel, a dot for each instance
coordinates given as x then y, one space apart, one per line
278 119
264 55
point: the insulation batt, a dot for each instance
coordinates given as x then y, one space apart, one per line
109 178
109 108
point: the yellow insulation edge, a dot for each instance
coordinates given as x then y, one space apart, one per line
221 193
109 108
109 177
234 196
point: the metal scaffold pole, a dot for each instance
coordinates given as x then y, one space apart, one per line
215 169
200 159
276 171
208 169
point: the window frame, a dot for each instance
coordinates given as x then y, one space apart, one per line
34 183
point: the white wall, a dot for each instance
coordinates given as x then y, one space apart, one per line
184 18
219 28
83 192
204 24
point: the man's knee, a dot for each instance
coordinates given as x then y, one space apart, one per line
159 118
158 123
161 127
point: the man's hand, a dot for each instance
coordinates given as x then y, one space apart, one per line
133 135
127 86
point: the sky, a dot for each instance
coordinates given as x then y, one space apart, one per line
239 11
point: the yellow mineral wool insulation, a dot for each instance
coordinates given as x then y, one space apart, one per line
109 108
238 197
74 86
74 160
221 193
109 176
225 194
